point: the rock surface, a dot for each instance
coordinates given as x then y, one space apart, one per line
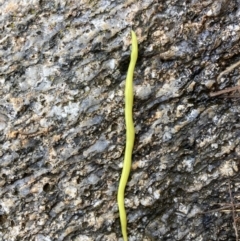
62 131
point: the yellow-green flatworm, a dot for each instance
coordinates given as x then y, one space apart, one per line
130 134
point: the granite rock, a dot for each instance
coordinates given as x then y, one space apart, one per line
62 130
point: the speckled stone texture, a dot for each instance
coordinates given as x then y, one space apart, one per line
62 133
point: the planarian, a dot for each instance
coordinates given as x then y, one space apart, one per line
130 134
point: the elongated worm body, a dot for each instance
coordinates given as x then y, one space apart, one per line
130 134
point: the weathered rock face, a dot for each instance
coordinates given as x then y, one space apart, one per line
62 75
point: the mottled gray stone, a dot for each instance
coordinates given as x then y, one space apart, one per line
62 132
